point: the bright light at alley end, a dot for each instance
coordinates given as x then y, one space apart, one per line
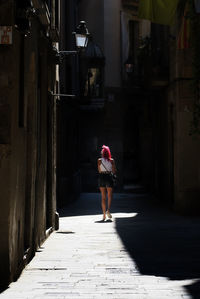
81 35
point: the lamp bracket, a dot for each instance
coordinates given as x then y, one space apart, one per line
67 52
63 95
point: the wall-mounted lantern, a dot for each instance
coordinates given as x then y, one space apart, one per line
129 66
81 35
81 38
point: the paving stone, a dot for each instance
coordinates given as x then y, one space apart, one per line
146 252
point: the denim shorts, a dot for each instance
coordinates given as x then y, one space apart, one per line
105 180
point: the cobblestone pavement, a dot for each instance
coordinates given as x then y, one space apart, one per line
145 252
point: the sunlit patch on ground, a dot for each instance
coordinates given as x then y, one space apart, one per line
124 215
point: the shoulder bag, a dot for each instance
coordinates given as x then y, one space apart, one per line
112 175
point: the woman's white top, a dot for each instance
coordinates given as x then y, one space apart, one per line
107 163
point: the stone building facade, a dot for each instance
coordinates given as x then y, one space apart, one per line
167 77
68 134
28 78
148 107
186 147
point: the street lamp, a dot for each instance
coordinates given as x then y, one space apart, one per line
81 35
81 38
129 66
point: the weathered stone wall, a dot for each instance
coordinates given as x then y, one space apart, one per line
186 147
112 43
26 76
6 151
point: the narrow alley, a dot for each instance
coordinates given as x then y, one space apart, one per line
89 90
145 252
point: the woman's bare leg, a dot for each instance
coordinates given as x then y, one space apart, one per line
110 196
103 201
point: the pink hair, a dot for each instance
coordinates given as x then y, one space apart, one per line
106 152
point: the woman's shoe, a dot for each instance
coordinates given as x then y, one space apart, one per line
109 215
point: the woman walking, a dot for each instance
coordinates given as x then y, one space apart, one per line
106 166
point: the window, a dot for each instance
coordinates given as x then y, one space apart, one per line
93 87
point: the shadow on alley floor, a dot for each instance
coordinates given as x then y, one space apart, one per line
160 242
145 252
